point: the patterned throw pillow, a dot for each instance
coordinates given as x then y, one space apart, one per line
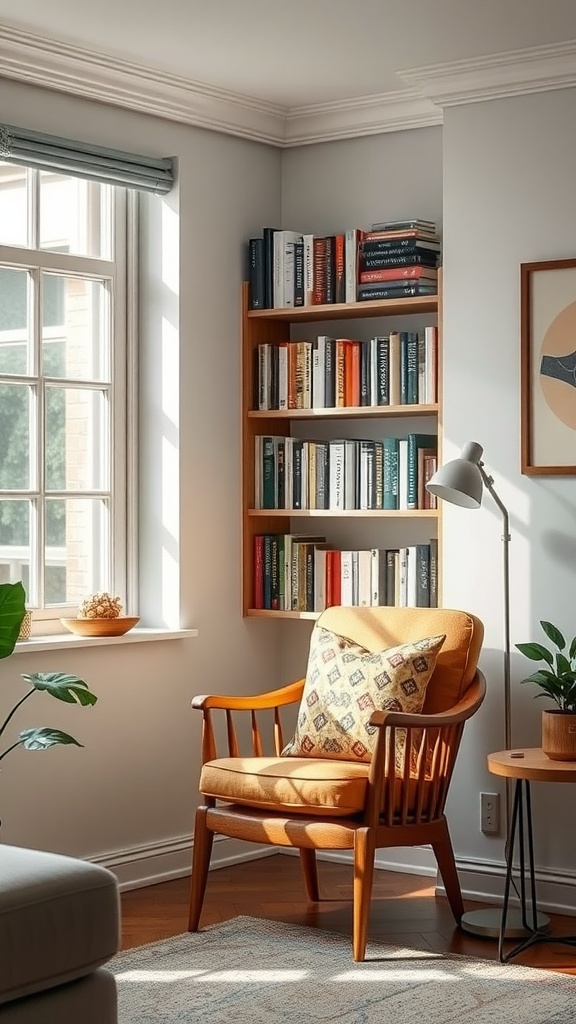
345 683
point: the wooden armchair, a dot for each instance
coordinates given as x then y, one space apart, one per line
327 804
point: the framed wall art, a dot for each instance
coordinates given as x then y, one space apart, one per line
548 367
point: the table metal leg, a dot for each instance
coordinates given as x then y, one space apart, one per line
521 831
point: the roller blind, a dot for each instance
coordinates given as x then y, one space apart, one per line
97 163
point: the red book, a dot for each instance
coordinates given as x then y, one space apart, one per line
349 373
334 563
259 571
398 274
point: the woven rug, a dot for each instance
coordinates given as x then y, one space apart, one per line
250 971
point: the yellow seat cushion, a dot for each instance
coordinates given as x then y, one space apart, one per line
297 785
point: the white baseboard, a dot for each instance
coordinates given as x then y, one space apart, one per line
481 881
138 866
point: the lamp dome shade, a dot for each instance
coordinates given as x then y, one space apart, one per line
460 481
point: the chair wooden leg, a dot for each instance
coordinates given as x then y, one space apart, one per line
444 854
203 839
310 872
364 850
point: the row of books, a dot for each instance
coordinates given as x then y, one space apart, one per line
300 573
399 368
344 474
292 268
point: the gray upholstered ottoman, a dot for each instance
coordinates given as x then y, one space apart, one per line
59 922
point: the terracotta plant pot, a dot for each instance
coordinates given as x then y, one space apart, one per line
559 735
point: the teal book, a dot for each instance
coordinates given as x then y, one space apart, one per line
416 441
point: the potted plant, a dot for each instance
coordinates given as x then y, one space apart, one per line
65 687
557 680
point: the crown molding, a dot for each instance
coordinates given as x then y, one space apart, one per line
512 73
51 64
366 115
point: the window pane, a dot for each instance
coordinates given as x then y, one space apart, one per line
14 320
77 438
15 542
13 205
15 411
77 542
75 216
76 328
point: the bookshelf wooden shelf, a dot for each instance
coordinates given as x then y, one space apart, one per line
355 513
349 311
278 325
350 412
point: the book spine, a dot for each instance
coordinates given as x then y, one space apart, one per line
297 473
351 240
267 571
378 475
403 473
382 370
259 571
394 368
308 244
256 272
274 574
339 269
381 261
392 555
322 476
268 472
431 360
422 575
319 271
278 272
330 373
330 268
433 572
365 390
390 473
268 234
369 292
346 579
319 372
340 372
336 462
395 274
396 247
283 375
299 273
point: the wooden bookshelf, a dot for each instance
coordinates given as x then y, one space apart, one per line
273 325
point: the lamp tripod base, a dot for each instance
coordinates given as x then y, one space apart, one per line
487 923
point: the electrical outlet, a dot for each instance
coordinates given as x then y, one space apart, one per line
490 813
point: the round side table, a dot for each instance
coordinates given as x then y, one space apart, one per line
526 765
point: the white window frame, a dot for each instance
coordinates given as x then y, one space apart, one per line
122 273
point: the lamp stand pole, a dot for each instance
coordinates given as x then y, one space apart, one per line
488 922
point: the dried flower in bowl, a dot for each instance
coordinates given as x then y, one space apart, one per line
100 606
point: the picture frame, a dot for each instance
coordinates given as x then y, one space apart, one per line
548 367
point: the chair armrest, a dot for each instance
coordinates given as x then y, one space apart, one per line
256 702
231 710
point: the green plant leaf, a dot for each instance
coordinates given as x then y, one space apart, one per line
541 677
562 665
536 652
41 739
12 611
553 634
70 689
573 649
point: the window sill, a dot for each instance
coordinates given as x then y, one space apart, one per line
62 641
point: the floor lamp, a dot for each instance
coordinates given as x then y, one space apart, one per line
461 482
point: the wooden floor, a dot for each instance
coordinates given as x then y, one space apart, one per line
404 910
